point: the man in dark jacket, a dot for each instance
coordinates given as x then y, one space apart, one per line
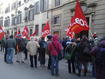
10 46
42 50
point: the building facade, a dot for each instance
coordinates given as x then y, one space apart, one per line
35 13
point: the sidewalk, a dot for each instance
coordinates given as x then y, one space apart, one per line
23 71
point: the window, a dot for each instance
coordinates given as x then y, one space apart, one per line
19 3
26 15
7 9
37 7
37 29
1 21
14 6
56 19
19 17
31 31
31 14
57 3
43 26
26 0
7 22
13 20
43 5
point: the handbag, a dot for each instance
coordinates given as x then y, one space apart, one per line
60 56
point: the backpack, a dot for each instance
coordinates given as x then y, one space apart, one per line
86 48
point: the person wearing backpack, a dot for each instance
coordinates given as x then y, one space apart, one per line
84 56
20 46
71 53
42 51
55 48
99 53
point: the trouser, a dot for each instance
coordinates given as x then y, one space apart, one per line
20 57
54 65
42 56
71 62
2 48
5 55
49 62
80 67
9 55
25 52
33 59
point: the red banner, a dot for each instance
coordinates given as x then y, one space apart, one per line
25 31
69 33
2 33
46 30
78 21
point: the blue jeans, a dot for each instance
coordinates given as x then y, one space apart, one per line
54 65
9 56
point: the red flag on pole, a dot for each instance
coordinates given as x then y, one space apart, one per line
25 31
2 33
78 21
69 33
46 30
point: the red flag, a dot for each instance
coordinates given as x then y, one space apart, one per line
34 33
69 33
78 21
25 31
2 33
46 30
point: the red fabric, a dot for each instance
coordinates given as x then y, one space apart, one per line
69 33
78 21
28 38
46 30
2 33
57 44
25 31
34 33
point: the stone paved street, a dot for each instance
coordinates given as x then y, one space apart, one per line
23 71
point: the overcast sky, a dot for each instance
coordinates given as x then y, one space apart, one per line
3 0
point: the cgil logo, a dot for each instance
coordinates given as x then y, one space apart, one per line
81 22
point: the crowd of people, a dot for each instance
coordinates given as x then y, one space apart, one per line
78 52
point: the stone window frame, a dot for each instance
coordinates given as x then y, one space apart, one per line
37 29
57 3
57 19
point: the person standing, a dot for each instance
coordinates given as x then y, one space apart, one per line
71 51
42 50
99 53
84 56
32 47
10 46
20 46
48 51
55 48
